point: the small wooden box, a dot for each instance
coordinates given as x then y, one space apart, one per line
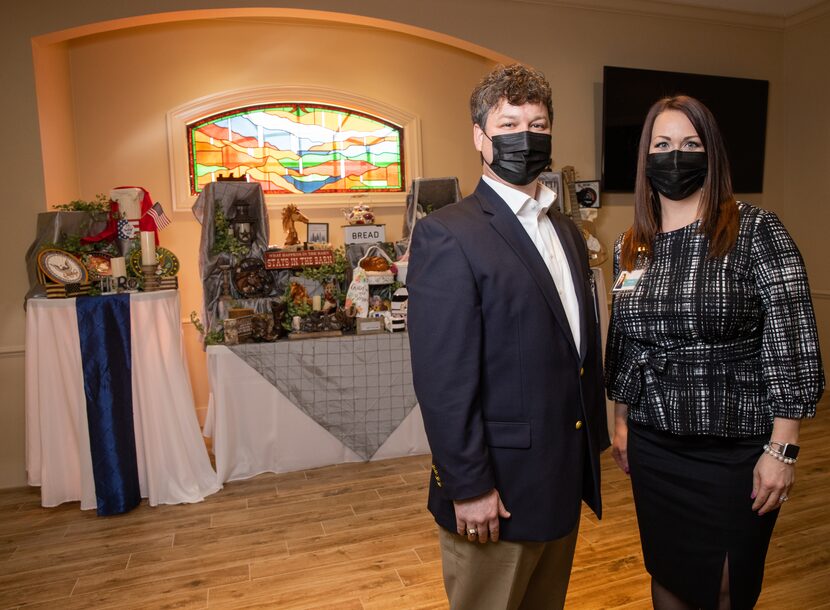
370 326
240 312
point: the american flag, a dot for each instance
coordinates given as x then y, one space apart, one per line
159 216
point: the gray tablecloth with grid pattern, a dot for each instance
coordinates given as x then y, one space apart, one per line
359 388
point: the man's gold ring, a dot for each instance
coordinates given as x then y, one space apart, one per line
472 531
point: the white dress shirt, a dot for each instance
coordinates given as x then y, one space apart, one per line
533 215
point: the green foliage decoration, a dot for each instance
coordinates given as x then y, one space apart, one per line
224 241
323 273
385 291
293 309
73 245
213 337
100 204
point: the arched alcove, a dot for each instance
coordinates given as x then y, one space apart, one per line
64 107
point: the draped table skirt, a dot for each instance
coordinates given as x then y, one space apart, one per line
172 462
256 428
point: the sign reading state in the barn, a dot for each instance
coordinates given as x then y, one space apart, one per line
297 258
364 234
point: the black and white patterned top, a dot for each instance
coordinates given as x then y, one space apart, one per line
716 346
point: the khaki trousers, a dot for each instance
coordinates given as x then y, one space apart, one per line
506 575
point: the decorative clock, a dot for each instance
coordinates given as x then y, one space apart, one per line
61 267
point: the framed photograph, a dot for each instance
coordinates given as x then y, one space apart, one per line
553 180
587 193
318 233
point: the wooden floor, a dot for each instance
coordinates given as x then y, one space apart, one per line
349 537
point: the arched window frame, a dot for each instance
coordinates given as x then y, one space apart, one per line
178 119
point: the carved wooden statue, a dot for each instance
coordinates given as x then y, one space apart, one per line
290 215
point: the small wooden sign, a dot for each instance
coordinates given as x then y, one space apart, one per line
295 260
320 334
364 234
370 326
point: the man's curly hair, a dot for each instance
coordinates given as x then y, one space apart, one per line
516 84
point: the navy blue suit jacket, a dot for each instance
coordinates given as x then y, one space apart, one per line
507 398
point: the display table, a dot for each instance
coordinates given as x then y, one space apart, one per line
268 402
173 464
302 404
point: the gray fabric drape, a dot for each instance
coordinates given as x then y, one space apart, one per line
225 195
51 228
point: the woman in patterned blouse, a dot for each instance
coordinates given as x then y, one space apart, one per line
712 359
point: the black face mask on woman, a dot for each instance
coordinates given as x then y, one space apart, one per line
519 158
677 174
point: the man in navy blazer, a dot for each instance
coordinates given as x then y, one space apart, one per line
506 360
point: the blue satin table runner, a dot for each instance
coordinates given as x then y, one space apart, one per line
104 330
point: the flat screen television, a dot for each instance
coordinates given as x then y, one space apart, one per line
739 106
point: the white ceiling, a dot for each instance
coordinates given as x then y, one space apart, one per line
773 8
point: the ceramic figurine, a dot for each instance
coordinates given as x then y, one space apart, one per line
290 215
360 214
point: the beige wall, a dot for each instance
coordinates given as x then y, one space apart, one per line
98 73
804 206
163 69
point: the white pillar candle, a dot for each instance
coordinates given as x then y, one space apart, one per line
148 248
118 267
316 303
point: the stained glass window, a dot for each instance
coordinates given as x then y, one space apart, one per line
298 148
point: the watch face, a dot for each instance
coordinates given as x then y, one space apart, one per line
61 267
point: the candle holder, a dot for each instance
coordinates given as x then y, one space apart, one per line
226 281
152 282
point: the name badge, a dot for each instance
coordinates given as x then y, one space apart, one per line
627 280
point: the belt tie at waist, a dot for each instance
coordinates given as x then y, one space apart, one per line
639 373
652 362
642 365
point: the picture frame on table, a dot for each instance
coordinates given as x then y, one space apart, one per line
553 180
318 233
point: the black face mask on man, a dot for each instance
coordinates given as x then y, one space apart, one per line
677 174
519 158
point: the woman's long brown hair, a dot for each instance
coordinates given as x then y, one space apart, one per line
718 209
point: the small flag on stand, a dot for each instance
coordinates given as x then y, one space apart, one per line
159 216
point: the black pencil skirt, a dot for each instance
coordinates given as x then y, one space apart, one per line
694 509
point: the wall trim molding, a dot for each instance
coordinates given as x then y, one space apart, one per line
820 294
716 16
810 14
648 8
12 351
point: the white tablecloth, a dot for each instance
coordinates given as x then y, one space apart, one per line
256 429
173 464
